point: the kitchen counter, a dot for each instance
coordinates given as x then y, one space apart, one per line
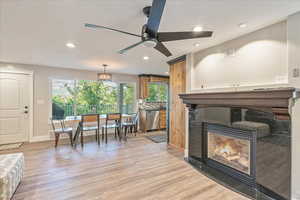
153 109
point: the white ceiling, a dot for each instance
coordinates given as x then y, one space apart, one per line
36 31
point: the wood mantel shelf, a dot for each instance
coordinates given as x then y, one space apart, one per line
267 98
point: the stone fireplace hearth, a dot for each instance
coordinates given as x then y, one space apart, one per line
243 139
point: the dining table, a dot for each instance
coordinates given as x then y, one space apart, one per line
74 122
74 119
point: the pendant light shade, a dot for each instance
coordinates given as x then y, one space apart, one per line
104 76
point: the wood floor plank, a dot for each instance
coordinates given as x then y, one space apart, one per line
136 170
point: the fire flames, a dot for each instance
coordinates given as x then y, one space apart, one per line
232 151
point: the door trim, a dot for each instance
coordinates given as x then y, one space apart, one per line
31 86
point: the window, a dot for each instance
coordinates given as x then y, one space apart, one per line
158 92
72 97
128 97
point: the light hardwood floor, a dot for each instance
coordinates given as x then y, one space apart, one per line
136 170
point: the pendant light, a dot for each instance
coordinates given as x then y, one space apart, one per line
104 76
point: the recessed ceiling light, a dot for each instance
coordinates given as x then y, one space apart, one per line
197 44
70 45
198 29
242 25
146 58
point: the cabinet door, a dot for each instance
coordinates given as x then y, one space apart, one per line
143 87
177 108
162 119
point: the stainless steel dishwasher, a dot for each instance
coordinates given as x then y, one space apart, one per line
152 120
149 119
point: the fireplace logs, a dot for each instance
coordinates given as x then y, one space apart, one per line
229 151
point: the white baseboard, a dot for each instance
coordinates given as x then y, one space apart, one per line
40 138
186 153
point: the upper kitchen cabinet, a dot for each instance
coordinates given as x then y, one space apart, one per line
161 79
143 86
145 80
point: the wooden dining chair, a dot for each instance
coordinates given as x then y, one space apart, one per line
90 122
58 127
116 118
131 125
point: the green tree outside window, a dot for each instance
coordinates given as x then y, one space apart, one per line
82 97
158 92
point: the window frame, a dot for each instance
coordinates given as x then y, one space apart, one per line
134 84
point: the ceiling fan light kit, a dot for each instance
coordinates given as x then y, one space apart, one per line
150 43
150 36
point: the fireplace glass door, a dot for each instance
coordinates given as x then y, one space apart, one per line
230 151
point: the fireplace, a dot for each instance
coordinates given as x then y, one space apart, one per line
230 150
243 139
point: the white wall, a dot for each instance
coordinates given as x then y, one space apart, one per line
42 89
258 58
293 30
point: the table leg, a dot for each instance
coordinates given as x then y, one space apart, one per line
56 139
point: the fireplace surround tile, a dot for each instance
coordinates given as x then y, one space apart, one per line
272 156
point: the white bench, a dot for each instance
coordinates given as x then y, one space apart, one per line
11 173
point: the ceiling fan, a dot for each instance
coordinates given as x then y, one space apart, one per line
150 36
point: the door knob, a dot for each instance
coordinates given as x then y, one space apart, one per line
26 109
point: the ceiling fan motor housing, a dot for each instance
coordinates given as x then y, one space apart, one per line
144 34
147 10
149 41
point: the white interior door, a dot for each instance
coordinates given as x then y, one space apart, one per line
14 108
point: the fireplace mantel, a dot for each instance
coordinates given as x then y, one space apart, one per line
267 98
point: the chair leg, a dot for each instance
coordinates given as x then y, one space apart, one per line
98 136
81 139
56 139
131 129
119 133
125 133
71 138
116 133
102 134
105 135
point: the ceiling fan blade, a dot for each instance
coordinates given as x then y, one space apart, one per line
130 47
172 36
112 29
162 49
156 12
